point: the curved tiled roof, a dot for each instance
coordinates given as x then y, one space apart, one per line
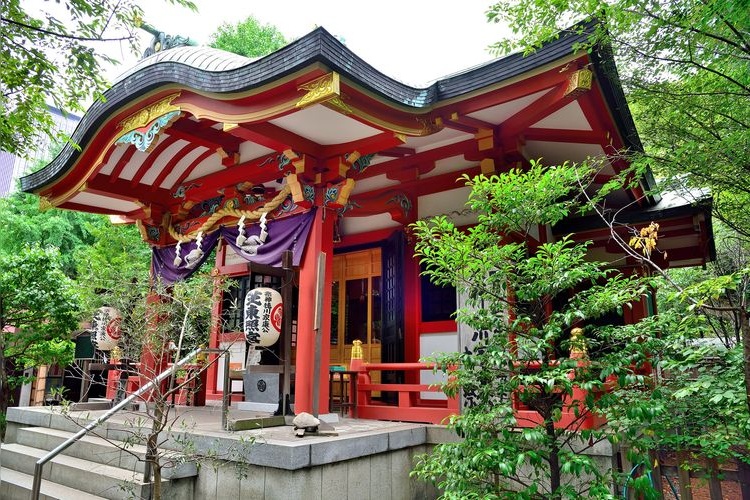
202 58
215 71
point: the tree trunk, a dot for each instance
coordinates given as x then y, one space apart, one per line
153 467
157 482
4 397
745 352
554 457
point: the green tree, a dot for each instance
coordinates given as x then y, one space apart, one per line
693 403
248 38
24 224
525 297
683 65
38 312
53 56
732 257
118 260
162 324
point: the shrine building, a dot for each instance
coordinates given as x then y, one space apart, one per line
334 160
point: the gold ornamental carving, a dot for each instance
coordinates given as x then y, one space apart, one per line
338 104
346 190
322 89
579 82
428 126
148 114
228 211
45 204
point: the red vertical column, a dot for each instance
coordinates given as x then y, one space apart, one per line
216 328
154 357
319 240
412 310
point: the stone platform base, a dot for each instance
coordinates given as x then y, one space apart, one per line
368 459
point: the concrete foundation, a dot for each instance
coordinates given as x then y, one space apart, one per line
367 460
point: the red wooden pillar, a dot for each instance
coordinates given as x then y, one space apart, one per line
319 240
154 358
213 341
412 311
113 379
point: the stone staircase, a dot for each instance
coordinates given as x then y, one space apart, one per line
91 468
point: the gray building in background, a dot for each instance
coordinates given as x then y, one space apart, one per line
12 167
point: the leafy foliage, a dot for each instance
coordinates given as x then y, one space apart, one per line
52 56
683 65
702 408
38 310
248 38
694 404
525 296
116 262
722 284
24 224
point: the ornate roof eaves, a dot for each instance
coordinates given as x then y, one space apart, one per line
318 46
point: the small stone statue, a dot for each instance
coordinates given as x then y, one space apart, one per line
304 422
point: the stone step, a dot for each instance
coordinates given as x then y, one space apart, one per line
15 485
104 451
85 475
89 447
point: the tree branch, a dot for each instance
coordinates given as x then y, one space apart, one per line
647 260
686 62
64 35
707 34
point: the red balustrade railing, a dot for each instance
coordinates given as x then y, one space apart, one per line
409 405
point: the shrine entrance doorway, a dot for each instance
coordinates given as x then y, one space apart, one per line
356 306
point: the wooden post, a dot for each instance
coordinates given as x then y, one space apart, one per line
85 381
743 474
154 358
686 491
714 485
287 294
216 326
656 471
319 293
319 241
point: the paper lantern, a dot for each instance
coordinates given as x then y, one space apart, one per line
263 313
107 332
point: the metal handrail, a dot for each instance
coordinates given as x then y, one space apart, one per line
37 484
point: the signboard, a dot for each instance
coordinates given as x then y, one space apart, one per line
263 313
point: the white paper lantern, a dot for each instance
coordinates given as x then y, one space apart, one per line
263 314
106 328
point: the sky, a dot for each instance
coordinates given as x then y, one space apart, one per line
413 41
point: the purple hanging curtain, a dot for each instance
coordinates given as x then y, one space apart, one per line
289 233
162 259
283 234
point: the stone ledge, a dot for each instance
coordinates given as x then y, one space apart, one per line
32 415
275 447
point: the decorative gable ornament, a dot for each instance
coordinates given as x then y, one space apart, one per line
142 128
